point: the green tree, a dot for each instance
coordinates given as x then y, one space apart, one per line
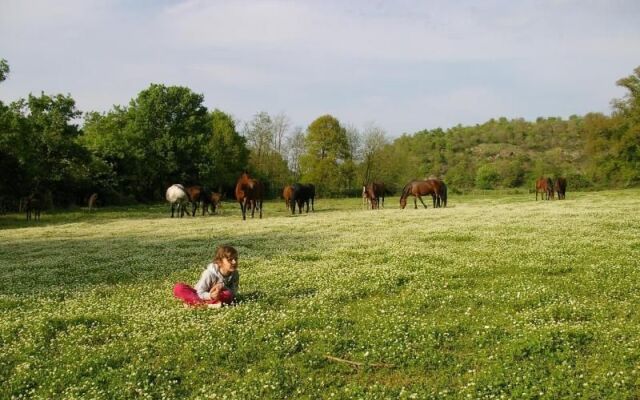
4 69
627 146
225 152
326 149
159 139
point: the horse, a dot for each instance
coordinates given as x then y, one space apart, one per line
375 193
418 188
177 196
302 194
32 205
197 194
442 195
249 193
544 186
287 193
211 199
92 201
366 203
561 188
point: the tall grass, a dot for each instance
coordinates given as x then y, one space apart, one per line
492 297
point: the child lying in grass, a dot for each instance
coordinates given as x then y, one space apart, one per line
218 283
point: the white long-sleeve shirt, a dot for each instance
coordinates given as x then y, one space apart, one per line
212 276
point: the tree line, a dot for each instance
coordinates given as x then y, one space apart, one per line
132 153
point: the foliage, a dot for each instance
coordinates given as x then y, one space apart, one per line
327 151
166 136
481 299
4 69
225 153
41 155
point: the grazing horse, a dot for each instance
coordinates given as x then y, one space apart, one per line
287 194
418 188
92 201
561 188
249 193
302 194
32 205
375 194
212 200
177 196
544 186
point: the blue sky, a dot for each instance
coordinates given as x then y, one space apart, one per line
401 65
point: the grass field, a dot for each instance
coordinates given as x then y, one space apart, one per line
496 296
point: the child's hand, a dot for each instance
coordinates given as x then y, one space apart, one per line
215 290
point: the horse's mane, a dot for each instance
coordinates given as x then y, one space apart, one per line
405 190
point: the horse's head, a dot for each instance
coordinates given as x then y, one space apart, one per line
403 202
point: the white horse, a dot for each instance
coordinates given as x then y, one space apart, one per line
178 198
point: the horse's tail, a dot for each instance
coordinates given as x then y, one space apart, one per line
443 194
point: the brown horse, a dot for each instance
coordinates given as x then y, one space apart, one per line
287 194
375 194
196 195
545 187
301 194
561 188
418 189
92 201
213 200
249 193
33 206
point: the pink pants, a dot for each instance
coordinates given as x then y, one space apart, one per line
189 295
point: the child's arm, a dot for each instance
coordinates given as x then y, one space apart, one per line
215 290
204 285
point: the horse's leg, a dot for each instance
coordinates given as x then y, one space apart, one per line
415 202
242 209
312 208
422 201
260 208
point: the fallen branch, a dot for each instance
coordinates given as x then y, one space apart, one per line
358 364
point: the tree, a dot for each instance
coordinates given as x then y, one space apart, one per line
41 139
225 152
4 69
326 149
280 127
296 147
264 136
259 135
374 142
156 141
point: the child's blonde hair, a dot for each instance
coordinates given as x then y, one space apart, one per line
224 251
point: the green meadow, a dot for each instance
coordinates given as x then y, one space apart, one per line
495 296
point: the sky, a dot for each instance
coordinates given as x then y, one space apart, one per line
402 66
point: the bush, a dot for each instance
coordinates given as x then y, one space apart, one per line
487 177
